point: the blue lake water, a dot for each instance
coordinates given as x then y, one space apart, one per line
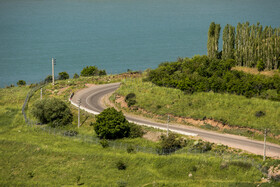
115 35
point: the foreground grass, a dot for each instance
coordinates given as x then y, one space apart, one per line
33 157
233 110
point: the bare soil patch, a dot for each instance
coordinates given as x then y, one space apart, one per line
153 136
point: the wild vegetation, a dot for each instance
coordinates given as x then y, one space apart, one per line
31 156
203 74
228 109
52 111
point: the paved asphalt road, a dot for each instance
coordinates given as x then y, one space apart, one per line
91 102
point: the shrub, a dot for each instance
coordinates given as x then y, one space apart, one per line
92 71
48 79
75 76
121 165
111 124
102 72
170 143
63 76
70 133
52 111
131 103
130 96
130 99
202 146
135 131
130 149
260 65
104 143
21 83
259 114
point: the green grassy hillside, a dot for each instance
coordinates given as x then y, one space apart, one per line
30 156
234 110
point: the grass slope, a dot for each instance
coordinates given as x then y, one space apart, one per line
231 109
32 157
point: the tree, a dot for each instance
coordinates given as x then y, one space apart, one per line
111 124
63 75
213 40
92 71
52 111
89 71
21 83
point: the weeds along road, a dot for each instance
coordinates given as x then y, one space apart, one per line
91 101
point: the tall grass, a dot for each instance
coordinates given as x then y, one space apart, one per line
232 109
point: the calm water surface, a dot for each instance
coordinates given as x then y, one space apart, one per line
115 35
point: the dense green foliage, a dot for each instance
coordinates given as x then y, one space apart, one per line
52 111
248 44
201 74
63 75
130 99
111 124
21 83
48 79
170 143
92 71
75 76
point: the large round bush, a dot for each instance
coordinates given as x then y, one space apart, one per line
111 124
52 111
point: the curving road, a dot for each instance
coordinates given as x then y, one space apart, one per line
90 99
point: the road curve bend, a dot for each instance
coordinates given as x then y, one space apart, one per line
91 97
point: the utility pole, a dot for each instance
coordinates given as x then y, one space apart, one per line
79 101
53 63
168 120
41 96
264 146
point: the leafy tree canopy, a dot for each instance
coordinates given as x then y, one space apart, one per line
52 111
111 124
21 83
92 71
63 75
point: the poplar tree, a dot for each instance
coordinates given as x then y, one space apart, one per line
213 40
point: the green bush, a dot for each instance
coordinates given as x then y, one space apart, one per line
63 76
135 131
130 99
170 143
121 165
92 71
202 146
48 79
130 96
75 76
259 113
130 149
260 65
111 124
21 83
104 143
52 111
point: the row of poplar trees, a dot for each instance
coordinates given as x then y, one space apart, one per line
247 44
